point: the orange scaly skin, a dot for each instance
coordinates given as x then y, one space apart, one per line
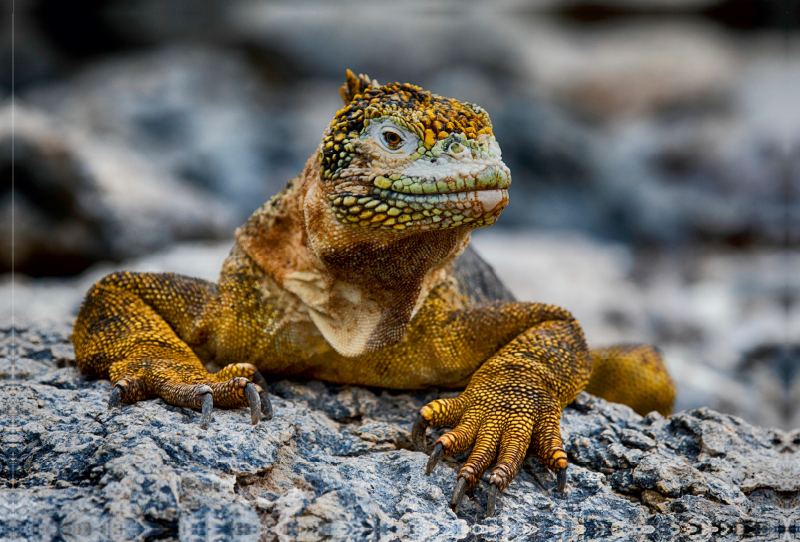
351 275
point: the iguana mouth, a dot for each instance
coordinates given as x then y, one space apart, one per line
494 176
473 196
387 209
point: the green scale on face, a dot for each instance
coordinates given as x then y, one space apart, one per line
397 157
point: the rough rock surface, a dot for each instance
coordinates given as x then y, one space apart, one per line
336 464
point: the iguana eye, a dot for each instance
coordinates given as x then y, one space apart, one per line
393 139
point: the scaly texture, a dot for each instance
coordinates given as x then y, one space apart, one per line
641 368
351 275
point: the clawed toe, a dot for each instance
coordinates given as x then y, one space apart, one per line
266 405
418 434
434 458
254 401
116 398
205 414
496 437
234 392
491 501
561 479
244 391
458 493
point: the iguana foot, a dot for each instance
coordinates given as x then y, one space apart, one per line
236 385
499 426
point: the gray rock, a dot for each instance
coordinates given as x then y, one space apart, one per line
80 198
336 464
201 115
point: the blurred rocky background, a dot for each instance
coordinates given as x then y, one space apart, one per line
654 146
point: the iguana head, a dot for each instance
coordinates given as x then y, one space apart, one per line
400 158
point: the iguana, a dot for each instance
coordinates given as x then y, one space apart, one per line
352 275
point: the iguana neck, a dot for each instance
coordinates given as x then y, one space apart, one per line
361 287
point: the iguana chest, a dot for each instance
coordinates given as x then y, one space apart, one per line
261 322
275 331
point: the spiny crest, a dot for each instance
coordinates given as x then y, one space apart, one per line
428 115
355 85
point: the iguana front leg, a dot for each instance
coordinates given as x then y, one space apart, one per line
513 401
142 330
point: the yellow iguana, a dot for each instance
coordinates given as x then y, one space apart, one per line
352 275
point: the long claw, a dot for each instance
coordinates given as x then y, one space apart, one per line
266 405
254 401
458 493
561 479
491 502
434 459
116 397
418 434
205 417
